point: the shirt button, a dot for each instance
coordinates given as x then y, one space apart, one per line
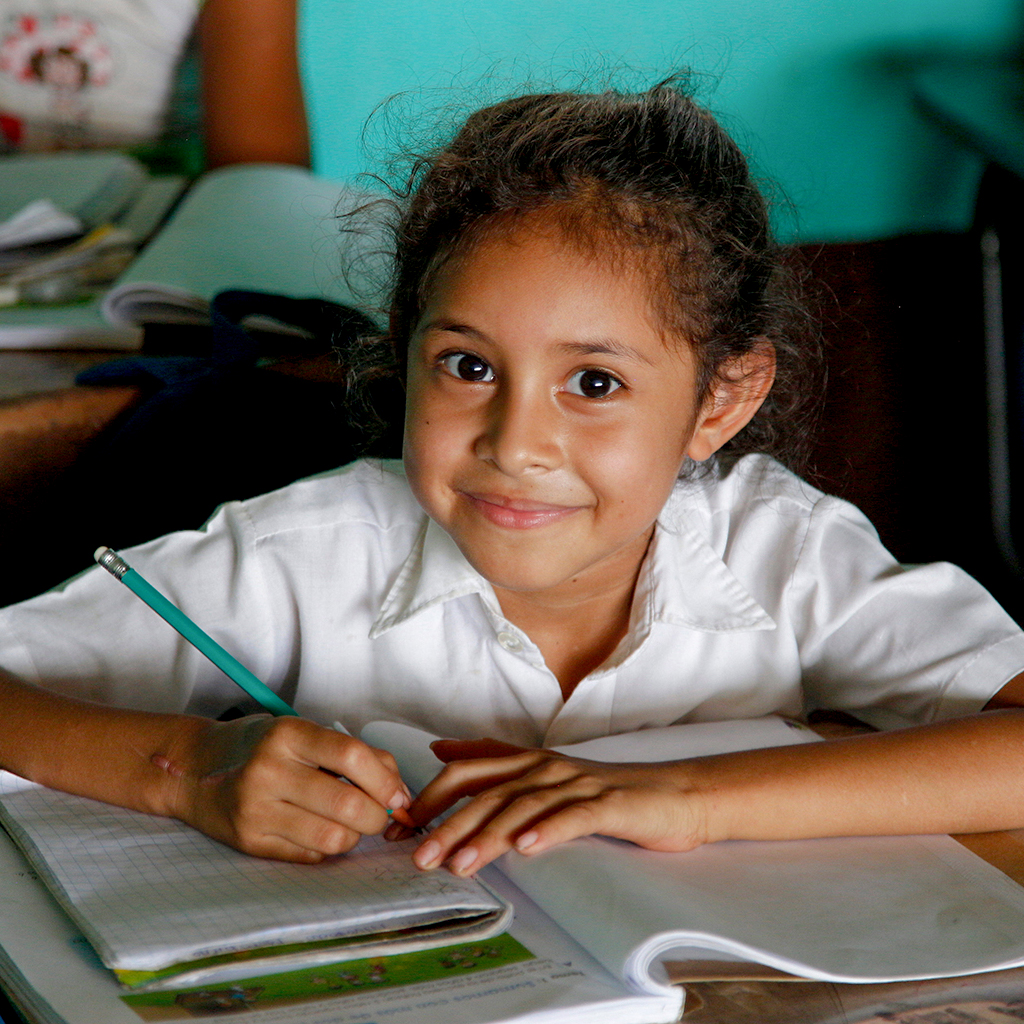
510 642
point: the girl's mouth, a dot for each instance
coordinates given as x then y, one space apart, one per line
518 513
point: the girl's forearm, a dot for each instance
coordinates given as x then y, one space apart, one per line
90 749
965 775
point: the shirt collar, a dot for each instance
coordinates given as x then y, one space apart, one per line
683 582
435 571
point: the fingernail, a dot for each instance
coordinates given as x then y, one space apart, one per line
428 854
526 840
399 799
393 831
463 860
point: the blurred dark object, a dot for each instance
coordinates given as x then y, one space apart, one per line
903 434
980 102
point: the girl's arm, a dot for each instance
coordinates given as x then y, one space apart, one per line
965 775
253 106
254 783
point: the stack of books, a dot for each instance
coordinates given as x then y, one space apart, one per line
70 223
255 227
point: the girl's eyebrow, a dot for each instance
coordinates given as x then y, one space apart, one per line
444 323
594 347
604 347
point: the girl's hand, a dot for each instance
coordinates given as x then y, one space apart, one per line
531 800
256 784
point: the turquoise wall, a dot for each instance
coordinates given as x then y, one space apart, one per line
816 91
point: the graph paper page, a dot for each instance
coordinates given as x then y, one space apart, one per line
149 892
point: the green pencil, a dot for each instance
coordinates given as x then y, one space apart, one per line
203 642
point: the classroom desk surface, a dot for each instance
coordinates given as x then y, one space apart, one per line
45 421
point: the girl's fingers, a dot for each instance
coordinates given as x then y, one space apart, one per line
561 800
463 750
318 835
372 771
507 832
291 833
494 818
459 779
264 792
473 840
650 820
338 800
315 792
328 817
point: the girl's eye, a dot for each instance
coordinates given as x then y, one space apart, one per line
467 367
593 384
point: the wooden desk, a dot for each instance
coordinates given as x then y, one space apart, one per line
46 422
200 443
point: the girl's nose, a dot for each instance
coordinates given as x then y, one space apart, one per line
520 433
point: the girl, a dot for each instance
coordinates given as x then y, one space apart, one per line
588 536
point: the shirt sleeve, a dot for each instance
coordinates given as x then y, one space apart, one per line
93 638
894 645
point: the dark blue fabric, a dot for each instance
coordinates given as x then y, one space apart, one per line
175 382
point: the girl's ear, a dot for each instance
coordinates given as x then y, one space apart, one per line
742 385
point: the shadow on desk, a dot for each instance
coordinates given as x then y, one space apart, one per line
8 1015
72 479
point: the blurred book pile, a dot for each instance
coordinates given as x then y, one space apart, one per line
92 253
70 223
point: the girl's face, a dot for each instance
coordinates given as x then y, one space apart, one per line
548 416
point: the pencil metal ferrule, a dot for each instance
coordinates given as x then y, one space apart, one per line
112 562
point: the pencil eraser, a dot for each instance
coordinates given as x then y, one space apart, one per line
100 552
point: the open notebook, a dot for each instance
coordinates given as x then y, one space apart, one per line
871 909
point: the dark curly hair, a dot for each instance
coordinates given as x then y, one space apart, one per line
654 174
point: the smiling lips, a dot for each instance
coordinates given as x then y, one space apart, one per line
516 513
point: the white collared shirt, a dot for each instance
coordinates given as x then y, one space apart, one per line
759 595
